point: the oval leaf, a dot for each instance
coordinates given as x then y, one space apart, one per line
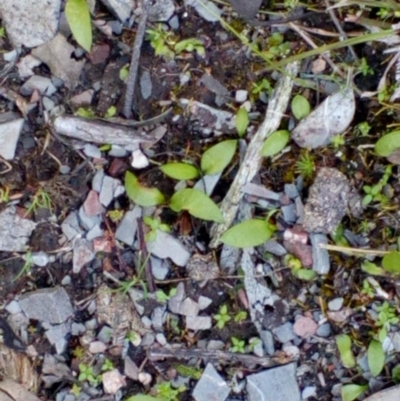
372 269
376 357
78 17
180 171
275 143
391 262
142 397
141 195
215 159
387 144
351 391
343 343
197 204
242 121
300 107
247 234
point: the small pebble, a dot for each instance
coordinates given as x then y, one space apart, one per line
324 330
335 304
241 96
309 391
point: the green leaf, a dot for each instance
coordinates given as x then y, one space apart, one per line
372 269
180 171
300 107
351 391
197 204
141 195
216 158
247 234
305 274
391 262
343 343
142 397
387 144
78 17
376 357
275 143
242 121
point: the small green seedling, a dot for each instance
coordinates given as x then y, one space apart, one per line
222 317
87 374
238 346
240 316
386 317
374 193
363 128
107 365
166 392
337 141
41 200
364 68
155 224
305 166
163 297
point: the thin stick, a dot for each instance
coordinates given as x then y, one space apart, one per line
133 69
346 249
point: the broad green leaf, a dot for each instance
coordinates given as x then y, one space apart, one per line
242 121
215 159
305 274
197 204
180 171
300 107
376 357
248 233
351 391
391 262
78 17
142 397
343 343
372 269
387 144
141 195
275 143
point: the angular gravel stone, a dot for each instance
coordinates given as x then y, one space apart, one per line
88 222
198 322
57 336
284 333
321 263
13 307
288 213
107 190
291 191
324 330
189 308
275 384
305 327
126 230
175 302
70 226
159 267
83 254
145 85
211 386
241 96
204 302
335 304
274 247
40 259
267 339
50 305
10 130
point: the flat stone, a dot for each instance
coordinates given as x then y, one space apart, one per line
14 240
305 327
97 347
206 9
198 322
189 308
40 259
112 381
70 226
57 336
92 205
324 330
77 329
83 254
126 230
97 180
48 103
211 386
117 151
309 391
35 82
241 95
92 151
274 247
321 263
291 191
207 183
93 233
158 317
83 99
88 222
10 131
107 190
145 84
261 192
275 384
139 159
166 246
159 267
288 213
175 302
204 302
335 304
30 23
161 10
50 305
267 339
120 8
284 332
13 307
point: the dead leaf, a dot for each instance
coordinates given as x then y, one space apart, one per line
331 117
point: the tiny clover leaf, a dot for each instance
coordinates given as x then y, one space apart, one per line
300 107
197 204
78 17
387 144
141 195
391 262
376 357
343 343
275 143
242 121
249 233
351 391
216 158
180 171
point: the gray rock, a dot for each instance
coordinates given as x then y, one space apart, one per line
30 22
166 246
321 263
189 308
48 103
157 318
215 86
211 386
324 330
335 304
117 151
274 247
161 10
92 151
241 96
198 322
268 342
70 226
258 348
215 345
88 222
299 210
291 191
50 305
288 213
161 339
174 23
120 8
126 230
83 254
284 333
175 302
77 329
95 232
10 129
105 334
275 384
146 85
107 190
309 391
35 82
13 307
159 267
147 340
204 302
97 181
14 240
261 192
57 336
40 259
66 280
206 9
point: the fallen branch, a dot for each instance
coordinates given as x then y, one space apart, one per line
252 160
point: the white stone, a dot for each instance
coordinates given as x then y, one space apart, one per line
10 130
139 160
241 96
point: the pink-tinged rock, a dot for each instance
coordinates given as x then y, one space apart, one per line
301 251
97 347
83 99
295 234
92 205
305 327
102 245
113 381
83 254
340 316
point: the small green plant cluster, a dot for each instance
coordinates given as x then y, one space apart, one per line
166 45
305 166
223 317
40 200
155 224
297 268
374 193
163 297
277 47
166 392
239 346
387 316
